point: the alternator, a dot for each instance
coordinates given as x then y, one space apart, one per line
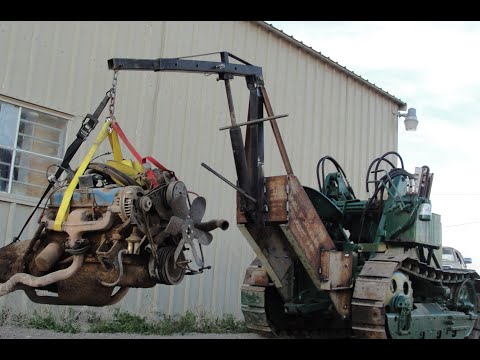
124 201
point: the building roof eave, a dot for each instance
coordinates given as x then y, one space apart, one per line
402 105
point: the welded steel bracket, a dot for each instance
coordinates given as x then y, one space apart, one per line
335 270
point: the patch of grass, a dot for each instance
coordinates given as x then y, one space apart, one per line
199 323
225 324
122 322
64 323
189 322
9 317
71 321
178 324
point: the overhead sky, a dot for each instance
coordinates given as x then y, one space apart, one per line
434 68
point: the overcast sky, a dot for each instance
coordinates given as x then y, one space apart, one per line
433 67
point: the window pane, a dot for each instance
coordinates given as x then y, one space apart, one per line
5 162
41 133
27 189
447 255
37 145
3 185
8 124
29 174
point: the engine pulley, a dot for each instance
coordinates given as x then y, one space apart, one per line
167 271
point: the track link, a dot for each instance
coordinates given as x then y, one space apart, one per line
263 308
264 314
371 286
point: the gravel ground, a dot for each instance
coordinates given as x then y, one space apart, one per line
16 332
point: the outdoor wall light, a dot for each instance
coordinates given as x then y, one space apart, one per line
411 120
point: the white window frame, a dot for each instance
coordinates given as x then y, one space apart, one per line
22 104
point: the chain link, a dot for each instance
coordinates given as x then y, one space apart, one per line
113 93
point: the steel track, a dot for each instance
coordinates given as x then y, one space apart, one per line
367 306
371 286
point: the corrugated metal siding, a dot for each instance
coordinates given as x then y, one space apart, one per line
175 118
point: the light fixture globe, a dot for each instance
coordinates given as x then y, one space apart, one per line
411 120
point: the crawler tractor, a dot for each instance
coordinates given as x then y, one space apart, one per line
328 264
331 265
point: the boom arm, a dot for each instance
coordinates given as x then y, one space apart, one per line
249 157
209 67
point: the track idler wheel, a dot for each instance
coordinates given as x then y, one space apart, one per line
465 297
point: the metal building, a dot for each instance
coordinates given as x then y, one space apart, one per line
53 73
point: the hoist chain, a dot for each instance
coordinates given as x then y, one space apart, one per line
113 93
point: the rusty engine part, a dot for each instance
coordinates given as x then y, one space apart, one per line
126 225
114 236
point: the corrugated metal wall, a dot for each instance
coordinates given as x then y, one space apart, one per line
175 118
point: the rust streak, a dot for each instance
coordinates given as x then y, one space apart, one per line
306 225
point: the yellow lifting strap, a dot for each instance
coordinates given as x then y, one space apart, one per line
67 196
115 144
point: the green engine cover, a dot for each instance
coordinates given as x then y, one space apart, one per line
420 232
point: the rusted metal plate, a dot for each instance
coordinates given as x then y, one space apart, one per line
370 247
305 230
253 296
341 300
368 308
371 289
365 313
277 198
324 269
256 276
259 251
369 332
306 225
240 216
255 316
389 257
379 268
272 250
335 269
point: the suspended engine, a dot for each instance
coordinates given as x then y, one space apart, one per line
116 225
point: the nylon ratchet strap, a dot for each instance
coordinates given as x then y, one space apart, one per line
65 205
88 124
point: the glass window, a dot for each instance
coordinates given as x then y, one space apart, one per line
30 141
459 257
447 255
